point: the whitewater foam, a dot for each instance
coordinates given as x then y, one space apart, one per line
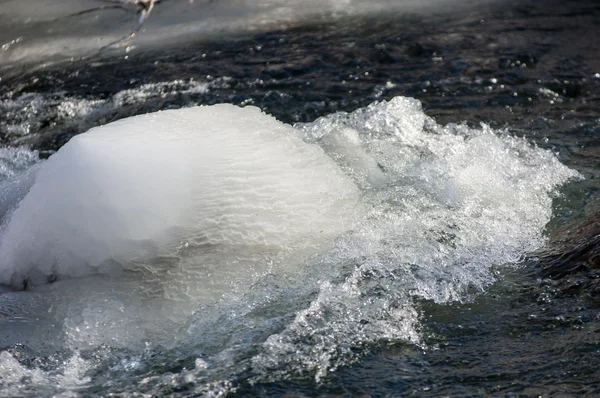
25 115
70 375
410 210
459 202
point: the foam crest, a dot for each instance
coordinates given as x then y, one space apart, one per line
14 161
18 380
17 167
456 203
30 113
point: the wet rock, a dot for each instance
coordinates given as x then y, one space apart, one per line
573 248
572 260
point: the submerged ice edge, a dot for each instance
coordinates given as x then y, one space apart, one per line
446 205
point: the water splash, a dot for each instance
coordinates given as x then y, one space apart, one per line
444 206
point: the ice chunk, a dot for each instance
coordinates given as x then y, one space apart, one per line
214 177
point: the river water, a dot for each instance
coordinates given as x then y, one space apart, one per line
470 129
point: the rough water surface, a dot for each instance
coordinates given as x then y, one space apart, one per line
445 205
461 273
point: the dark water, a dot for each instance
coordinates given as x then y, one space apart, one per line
530 67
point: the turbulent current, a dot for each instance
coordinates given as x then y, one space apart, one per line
191 250
276 198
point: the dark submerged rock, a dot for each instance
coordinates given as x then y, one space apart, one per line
574 248
572 260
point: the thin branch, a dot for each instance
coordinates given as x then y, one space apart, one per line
144 8
97 9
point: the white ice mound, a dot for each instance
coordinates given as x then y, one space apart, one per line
134 189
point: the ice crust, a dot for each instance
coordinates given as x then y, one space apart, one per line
309 245
28 37
134 190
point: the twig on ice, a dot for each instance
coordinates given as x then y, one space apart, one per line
144 8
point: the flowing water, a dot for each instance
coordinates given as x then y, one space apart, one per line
463 138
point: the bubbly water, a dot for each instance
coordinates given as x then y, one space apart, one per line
190 250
